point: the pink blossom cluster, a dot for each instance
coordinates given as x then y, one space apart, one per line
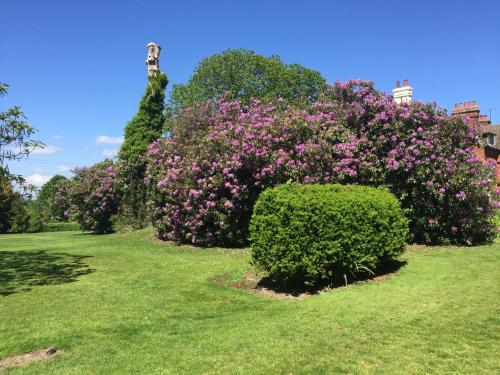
94 197
220 155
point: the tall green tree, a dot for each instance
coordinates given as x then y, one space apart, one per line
15 143
148 123
15 137
144 128
48 200
242 74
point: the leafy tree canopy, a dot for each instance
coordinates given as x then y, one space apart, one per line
147 125
15 133
50 188
52 201
242 74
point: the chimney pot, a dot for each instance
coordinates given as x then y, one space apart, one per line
398 84
474 103
406 82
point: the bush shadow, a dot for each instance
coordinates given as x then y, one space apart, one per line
298 287
20 271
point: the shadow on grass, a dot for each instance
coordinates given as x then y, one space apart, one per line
297 288
22 270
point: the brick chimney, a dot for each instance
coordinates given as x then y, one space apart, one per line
484 120
468 109
402 94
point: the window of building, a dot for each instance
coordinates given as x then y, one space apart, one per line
490 139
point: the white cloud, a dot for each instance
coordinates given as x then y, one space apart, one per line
63 168
37 179
57 137
106 139
109 153
46 150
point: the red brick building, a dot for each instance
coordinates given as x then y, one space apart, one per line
490 149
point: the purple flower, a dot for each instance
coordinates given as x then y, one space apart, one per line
222 154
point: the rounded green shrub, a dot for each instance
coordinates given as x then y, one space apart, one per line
325 233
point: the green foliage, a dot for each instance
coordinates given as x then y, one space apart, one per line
51 201
7 196
35 223
14 208
148 124
15 133
317 233
133 192
496 220
19 215
243 75
49 189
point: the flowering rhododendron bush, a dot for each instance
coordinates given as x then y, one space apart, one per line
93 196
220 155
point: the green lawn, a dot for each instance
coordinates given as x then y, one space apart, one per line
125 304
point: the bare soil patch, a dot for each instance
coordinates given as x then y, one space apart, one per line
24 359
253 283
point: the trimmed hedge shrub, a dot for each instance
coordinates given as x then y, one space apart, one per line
61 227
322 233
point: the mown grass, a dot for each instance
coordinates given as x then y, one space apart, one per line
125 304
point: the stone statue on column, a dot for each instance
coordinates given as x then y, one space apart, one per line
152 61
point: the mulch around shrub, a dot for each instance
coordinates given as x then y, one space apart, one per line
266 287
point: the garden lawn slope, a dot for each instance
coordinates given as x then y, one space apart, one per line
125 304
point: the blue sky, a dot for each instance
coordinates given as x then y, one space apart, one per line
77 67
